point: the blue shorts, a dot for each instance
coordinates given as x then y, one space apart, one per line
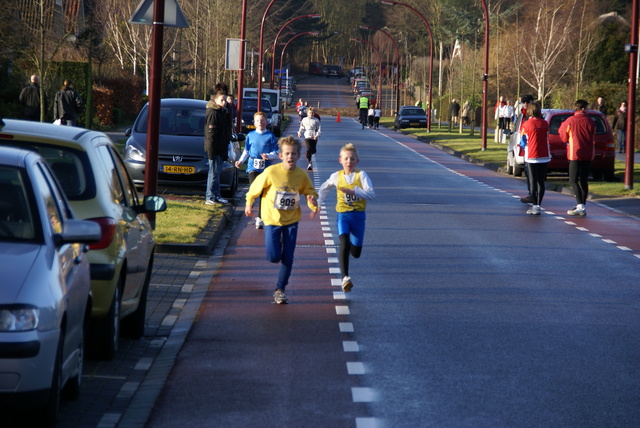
352 223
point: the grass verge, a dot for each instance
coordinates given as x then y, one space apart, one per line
184 219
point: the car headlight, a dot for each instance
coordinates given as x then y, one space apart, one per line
20 318
133 153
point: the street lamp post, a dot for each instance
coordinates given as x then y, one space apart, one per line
397 62
485 76
260 64
426 24
632 48
355 39
313 33
241 71
275 42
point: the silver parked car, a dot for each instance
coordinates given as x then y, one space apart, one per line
45 298
95 180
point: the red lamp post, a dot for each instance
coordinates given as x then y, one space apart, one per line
313 33
632 48
260 64
426 24
395 45
485 76
275 42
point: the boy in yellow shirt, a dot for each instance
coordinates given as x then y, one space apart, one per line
280 186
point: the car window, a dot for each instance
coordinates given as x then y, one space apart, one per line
129 189
71 167
117 191
56 191
55 215
176 121
556 121
17 219
413 112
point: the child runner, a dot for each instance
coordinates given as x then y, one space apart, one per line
311 129
261 147
353 188
281 186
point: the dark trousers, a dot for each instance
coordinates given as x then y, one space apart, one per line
537 173
579 179
252 176
311 147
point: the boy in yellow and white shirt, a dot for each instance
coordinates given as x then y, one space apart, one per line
280 187
353 189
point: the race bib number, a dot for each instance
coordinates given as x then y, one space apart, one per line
286 200
350 199
259 163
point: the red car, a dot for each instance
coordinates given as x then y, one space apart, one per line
603 163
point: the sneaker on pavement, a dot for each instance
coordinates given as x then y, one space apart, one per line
259 223
221 201
534 211
209 202
279 297
347 285
526 200
310 167
577 211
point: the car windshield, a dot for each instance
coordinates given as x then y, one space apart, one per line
557 120
413 112
176 121
251 105
16 215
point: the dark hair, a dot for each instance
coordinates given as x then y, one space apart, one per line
526 98
221 89
581 104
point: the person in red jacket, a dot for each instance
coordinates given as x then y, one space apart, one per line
535 138
579 133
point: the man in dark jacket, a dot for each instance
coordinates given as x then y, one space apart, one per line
579 132
217 135
67 104
30 99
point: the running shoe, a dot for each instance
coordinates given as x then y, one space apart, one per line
347 285
221 200
279 297
209 202
526 200
534 211
310 167
259 223
581 212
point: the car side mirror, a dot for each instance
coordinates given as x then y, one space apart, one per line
154 204
78 231
128 132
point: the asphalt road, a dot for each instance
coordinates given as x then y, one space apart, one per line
465 312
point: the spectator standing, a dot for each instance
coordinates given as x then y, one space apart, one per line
524 104
454 111
30 99
579 132
466 108
537 155
281 186
497 112
67 104
311 129
260 147
353 189
217 135
620 125
600 106
506 113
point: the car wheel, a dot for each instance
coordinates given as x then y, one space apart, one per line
517 170
49 417
107 335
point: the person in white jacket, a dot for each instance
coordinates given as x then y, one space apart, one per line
310 128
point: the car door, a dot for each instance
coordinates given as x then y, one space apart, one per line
73 292
132 228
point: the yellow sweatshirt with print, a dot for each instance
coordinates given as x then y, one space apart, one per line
281 192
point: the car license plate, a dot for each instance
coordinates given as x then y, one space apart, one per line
414 124
177 169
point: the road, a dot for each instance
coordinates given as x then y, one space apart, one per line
465 312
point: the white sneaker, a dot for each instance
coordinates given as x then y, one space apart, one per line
347 285
577 212
259 223
534 210
279 297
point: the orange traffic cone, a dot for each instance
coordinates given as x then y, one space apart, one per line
338 117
